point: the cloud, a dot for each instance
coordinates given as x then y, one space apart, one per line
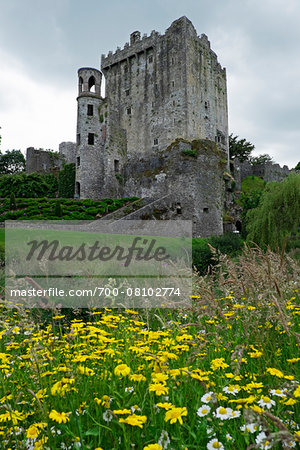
34 113
46 42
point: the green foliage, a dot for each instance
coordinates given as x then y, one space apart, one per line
252 183
12 161
2 247
297 166
202 256
57 209
28 185
239 148
67 209
252 189
119 177
12 202
66 181
229 244
278 213
189 152
261 159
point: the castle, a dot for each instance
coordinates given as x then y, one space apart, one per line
162 128
160 133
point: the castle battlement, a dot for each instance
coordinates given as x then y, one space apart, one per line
122 55
139 45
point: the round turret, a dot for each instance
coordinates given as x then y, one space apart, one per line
90 134
89 81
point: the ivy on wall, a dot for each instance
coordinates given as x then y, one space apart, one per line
66 181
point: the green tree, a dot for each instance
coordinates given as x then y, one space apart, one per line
261 159
278 213
297 166
239 148
252 189
12 161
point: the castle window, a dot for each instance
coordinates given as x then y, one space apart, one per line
155 141
78 161
173 83
90 110
127 92
91 138
178 208
77 189
173 61
78 139
117 165
150 59
92 84
174 103
128 111
205 210
206 105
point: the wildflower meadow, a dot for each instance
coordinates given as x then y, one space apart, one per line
223 374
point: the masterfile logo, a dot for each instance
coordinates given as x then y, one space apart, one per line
129 263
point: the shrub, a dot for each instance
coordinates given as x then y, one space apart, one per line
32 185
58 210
204 259
202 256
12 201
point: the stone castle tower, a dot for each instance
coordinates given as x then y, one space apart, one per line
163 93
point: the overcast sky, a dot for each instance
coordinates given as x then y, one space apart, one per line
44 42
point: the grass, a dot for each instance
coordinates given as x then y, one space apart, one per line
222 374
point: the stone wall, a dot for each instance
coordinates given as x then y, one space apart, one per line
271 172
268 171
67 152
41 161
191 174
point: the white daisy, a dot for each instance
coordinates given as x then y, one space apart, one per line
290 444
251 427
203 410
208 397
223 413
235 414
266 402
230 390
278 392
214 443
262 440
129 389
